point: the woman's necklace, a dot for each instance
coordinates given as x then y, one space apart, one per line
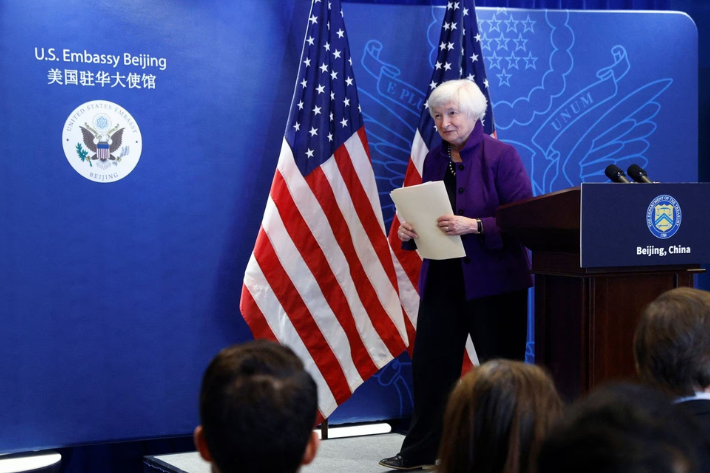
451 162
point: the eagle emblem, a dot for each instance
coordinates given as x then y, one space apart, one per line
103 144
107 141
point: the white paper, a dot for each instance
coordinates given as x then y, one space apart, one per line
421 206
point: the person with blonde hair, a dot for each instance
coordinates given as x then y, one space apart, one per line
496 419
483 295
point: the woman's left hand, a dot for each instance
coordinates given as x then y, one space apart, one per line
457 225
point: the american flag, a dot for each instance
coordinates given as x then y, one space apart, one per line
459 56
321 278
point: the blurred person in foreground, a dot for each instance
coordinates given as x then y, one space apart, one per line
484 294
258 407
496 419
672 350
624 428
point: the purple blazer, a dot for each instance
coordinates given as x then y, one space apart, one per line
491 174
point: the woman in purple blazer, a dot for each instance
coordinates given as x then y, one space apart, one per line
484 294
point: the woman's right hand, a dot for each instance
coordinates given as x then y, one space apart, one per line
406 232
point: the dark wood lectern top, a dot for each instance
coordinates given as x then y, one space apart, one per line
548 222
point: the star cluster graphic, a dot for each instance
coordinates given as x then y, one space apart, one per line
506 45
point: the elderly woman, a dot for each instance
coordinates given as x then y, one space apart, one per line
484 294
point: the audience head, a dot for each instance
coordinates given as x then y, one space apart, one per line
496 419
622 428
463 93
672 342
258 407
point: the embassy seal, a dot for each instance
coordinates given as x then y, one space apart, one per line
102 141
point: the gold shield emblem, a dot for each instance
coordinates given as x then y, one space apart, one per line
663 217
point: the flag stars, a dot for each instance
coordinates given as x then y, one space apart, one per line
349 81
447 66
442 46
447 26
453 26
300 105
297 126
307 62
344 122
331 116
437 66
330 137
346 102
313 19
432 85
474 57
471 77
320 89
333 75
336 54
449 5
310 40
456 5
309 153
465 12
327 46
340 33
304 83
450 46
332 95
324 67
316 110
313 131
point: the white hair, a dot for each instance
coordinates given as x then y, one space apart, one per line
464 93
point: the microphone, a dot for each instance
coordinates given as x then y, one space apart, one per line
615 173
638 174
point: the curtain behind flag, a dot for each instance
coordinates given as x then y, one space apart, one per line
321 278
459 56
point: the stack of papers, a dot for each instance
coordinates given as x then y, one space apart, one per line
421 206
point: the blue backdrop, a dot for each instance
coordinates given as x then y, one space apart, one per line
114 296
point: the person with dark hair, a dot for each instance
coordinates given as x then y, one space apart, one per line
496 419
483 295
623 428
258 407
672 349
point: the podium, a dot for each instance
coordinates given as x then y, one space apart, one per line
600 254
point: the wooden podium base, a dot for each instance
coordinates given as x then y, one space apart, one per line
585 318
